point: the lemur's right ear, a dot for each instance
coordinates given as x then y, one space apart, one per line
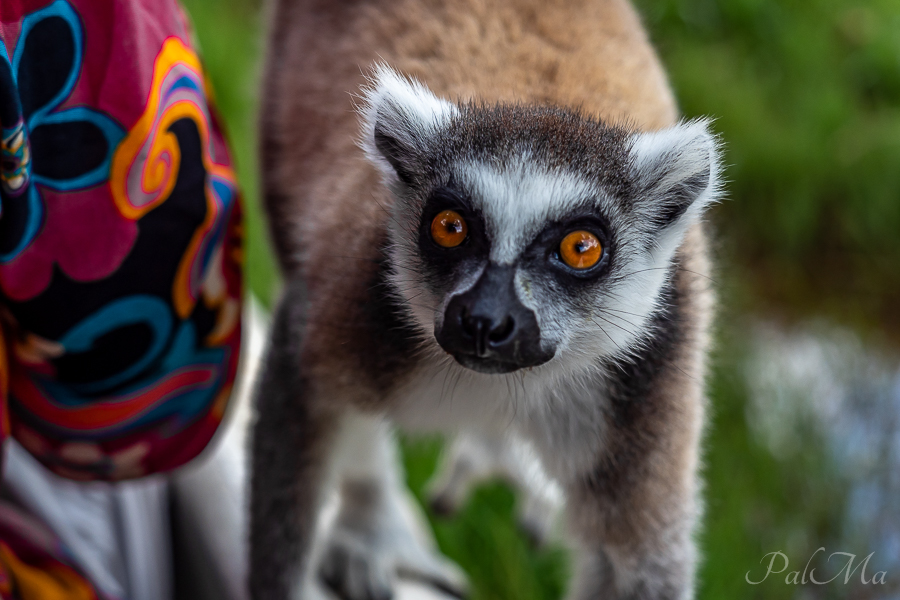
677 171
399 117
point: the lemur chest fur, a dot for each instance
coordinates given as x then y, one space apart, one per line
566 423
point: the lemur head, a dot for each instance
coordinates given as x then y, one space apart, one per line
521 234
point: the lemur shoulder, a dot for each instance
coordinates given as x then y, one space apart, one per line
488 219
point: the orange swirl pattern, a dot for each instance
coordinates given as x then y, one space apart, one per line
146 164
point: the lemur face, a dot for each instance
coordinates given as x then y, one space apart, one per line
485 323
527 235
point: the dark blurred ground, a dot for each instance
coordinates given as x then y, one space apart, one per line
807 98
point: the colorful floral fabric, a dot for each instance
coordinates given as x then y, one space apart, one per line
120 239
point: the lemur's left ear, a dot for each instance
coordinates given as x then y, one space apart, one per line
399 118
677 172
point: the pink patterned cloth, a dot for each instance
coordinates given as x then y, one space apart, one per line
120 239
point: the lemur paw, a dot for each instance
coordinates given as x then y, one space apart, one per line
443 503
354 570
362 567
475 458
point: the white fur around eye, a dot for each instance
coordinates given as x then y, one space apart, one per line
519 201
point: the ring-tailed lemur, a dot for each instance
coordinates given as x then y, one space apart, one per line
496 263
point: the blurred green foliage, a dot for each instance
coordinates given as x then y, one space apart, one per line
757 502
807 98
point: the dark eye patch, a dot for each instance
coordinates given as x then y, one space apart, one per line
543 252
450 198
444 266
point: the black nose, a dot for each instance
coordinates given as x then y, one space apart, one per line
488 329
485 331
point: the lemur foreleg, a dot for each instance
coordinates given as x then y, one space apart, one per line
291 439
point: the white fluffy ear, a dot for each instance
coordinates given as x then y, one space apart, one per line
399 118
677 171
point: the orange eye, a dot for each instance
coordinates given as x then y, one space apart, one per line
581 250
449 229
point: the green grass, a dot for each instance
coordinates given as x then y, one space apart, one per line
807 99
